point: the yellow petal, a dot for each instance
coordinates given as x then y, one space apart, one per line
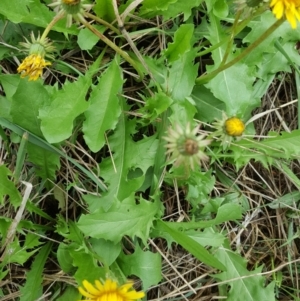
84 293
291 18
90 288
133 295
99 285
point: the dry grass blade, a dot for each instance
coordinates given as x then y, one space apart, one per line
13 227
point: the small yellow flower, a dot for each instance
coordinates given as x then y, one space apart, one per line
109 291
289 8
234 127
33 66
228 129
185 146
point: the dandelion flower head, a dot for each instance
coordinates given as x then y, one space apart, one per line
71 9
228 129
109 291
185 146
289 8
34 63
32 66
234 127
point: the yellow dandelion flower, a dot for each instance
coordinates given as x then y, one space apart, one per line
109 291
32 66
234 127
34 63
185 146
228 129
289 8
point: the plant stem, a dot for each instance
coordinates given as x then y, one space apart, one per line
238 29
108 42
230 42
103 22
205 78
59 16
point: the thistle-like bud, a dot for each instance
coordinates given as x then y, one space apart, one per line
185 146
71 8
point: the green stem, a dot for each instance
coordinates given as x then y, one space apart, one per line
239 28
205 78
59 16
103 22
108 42
230 42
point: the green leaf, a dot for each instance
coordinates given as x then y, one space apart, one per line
64 257
69 230
32 12
285 201
67 104
221 9
144 264
182 75
104 108
218 7
208 106
234 92
29 97
190 245
227 212
286 146
169 8
105 10
87 266
46 163
233 86
199 187
241 287
106 249
70 293
207 237
156 105
87 39
259 26
179 7
182 42
33 289
8 188
182 112
10 84
20 255
5 106
126 218
156 5
116 173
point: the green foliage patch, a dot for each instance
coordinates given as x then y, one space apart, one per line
141 101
